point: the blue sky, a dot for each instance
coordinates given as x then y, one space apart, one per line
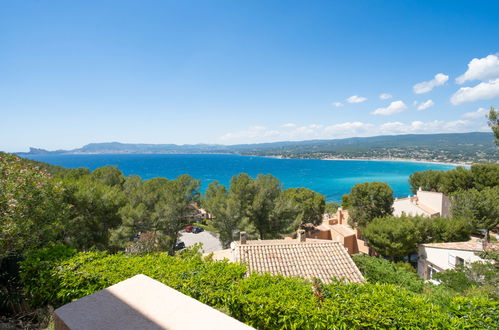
231 72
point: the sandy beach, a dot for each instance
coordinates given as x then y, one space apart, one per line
412 160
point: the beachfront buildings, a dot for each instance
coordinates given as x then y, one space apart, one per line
425 203
437 257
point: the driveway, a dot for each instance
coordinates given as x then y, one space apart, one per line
210 242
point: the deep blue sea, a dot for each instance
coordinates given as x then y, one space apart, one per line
333 178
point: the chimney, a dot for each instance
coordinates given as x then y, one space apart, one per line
339 215
301 235
242 237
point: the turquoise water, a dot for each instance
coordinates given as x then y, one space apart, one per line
331 178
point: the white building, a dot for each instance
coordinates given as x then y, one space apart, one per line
425 203
437 257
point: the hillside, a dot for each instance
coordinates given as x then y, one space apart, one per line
451 147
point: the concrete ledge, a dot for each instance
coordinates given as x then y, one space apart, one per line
141 303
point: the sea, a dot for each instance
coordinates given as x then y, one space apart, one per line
333 178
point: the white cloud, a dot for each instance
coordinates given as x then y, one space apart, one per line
481 69
425 105
482 91
479 113
356 99
257 134
289 125
418 127
337 104
394 107
426 86
347 128
252 133
385 96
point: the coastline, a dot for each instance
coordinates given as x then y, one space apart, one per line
383 159
408 160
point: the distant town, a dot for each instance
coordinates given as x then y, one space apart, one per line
456 148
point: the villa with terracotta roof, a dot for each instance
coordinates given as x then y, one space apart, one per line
301 257
437 257
426 203
337 229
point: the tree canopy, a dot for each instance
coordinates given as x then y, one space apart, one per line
479 177
481 207
157 206
397 237
493 119
261 207
370 200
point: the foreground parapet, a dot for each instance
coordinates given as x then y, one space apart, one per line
141 303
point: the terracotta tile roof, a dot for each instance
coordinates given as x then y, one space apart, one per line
313 258
427 209
472 245
324 227
221 254
343 230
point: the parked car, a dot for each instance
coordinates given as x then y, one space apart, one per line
201 221
188 229
179 246
196 230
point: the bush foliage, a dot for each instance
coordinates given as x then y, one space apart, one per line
379 270
261 300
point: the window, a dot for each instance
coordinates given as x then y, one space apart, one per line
455 260
452 260
430 271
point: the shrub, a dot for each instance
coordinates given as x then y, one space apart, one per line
265 301
87 272
379 270
273 302
476 312
32 209
37 273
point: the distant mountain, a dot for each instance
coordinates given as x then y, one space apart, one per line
451 147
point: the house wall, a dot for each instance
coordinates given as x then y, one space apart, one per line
337 237
433 200
442 259
350 243
319 234
362 246
445 207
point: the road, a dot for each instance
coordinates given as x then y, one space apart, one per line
210 242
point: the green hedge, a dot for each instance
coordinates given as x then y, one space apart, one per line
379 270
87 272
271 302
37 273
262 301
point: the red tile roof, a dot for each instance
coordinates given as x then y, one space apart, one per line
472 245
323 259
